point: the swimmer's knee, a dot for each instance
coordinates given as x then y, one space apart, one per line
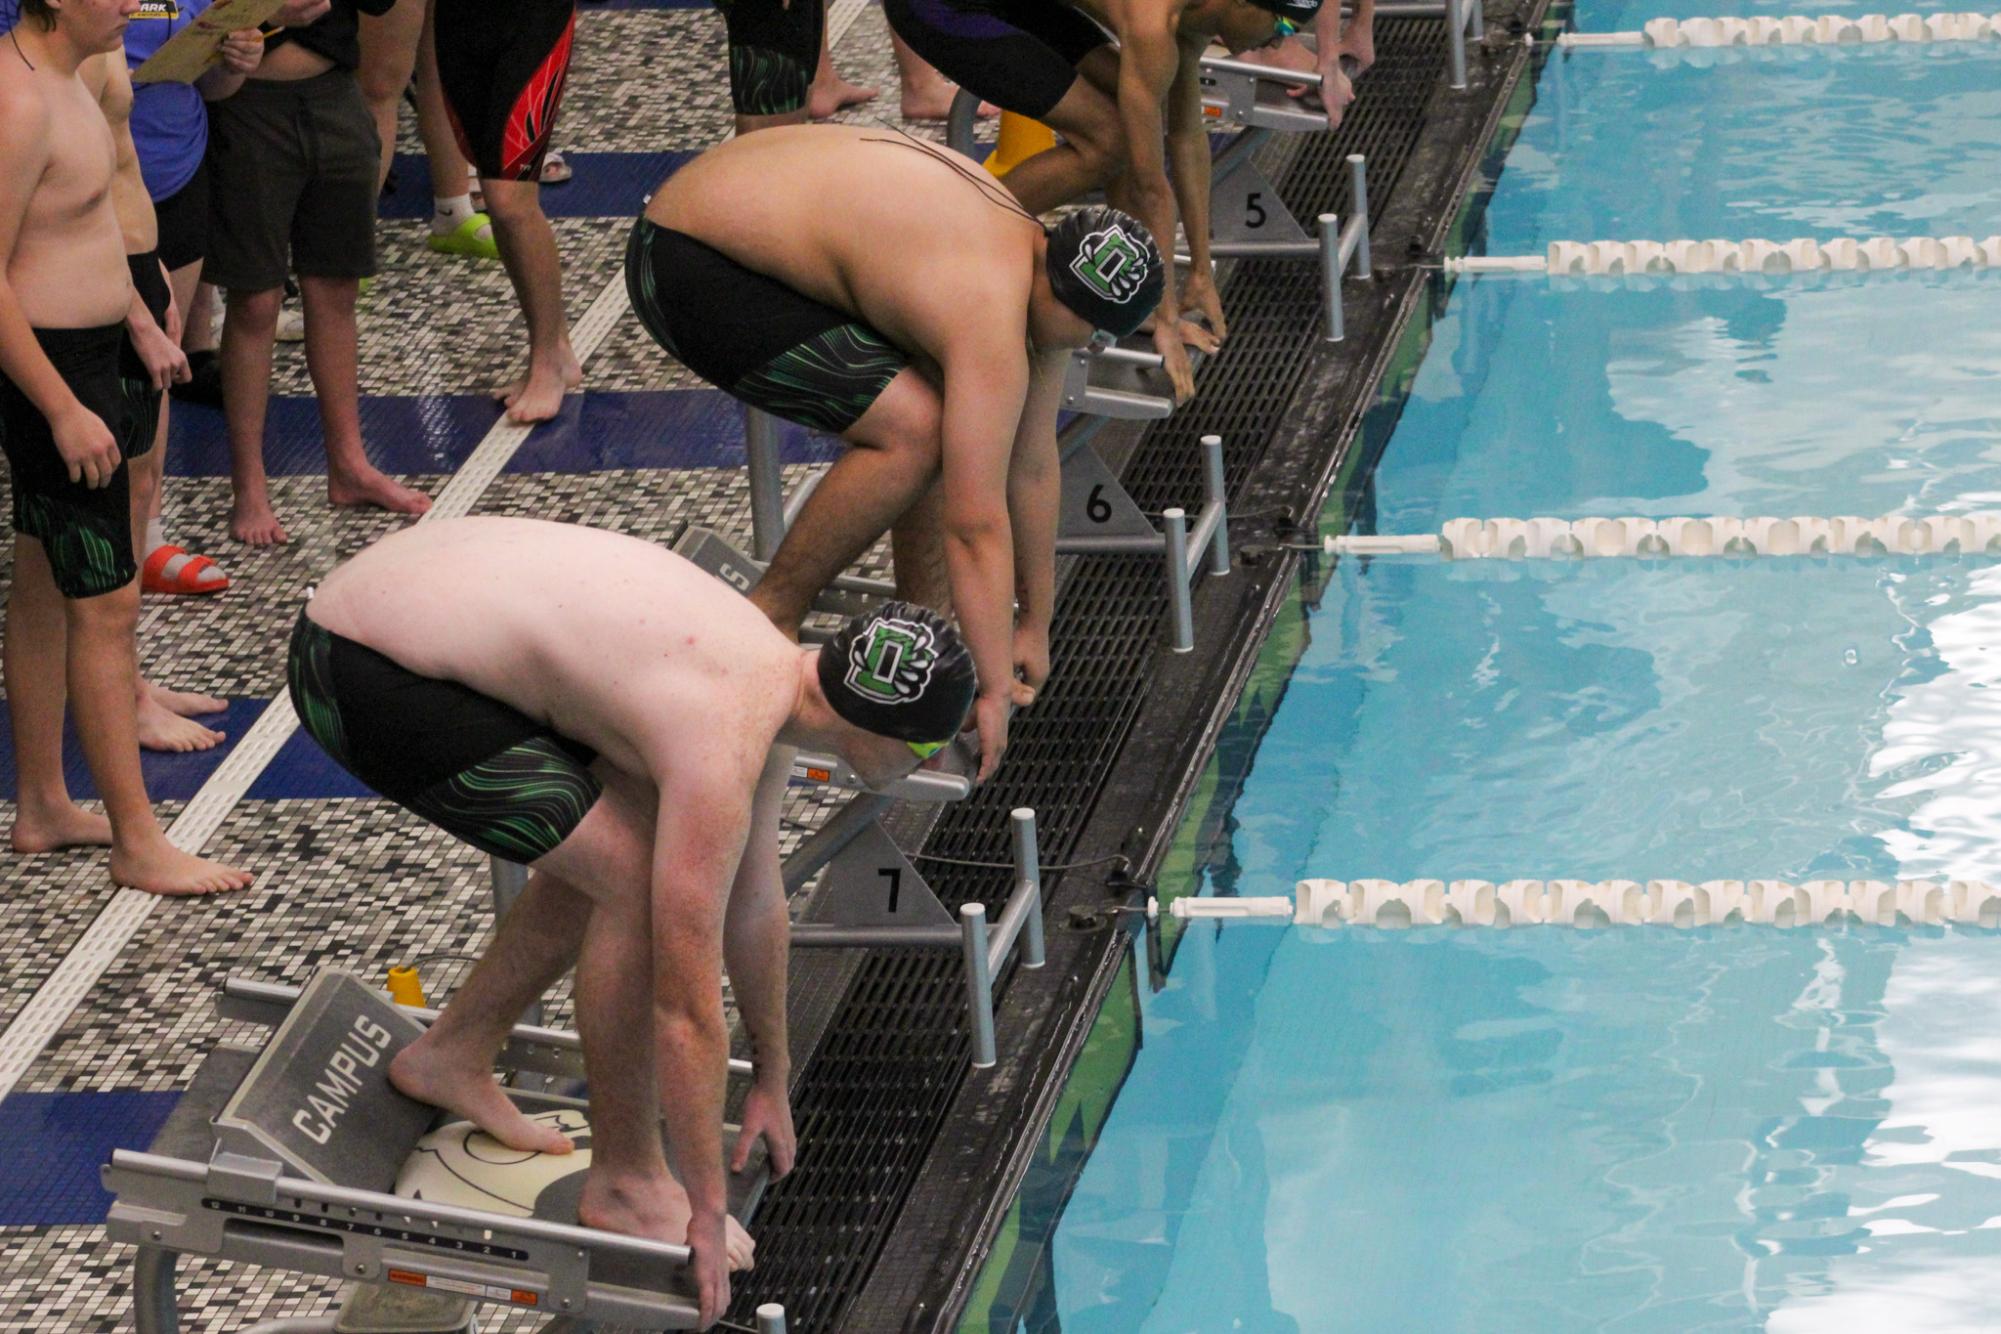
256 310
905 419
113 613
511 202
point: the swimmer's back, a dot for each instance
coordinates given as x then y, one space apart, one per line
587 631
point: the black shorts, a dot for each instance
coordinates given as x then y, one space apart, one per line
183 219
774 51
142 401
86 532
1018 54
501 64
294 167
479 769
753 336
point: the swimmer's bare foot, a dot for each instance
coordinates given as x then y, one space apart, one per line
423 1072
46 826
252 521
834 94
160 728
187 703
158 867
538 395
928 98
367 486
654 1207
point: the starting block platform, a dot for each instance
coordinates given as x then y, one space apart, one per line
301 1156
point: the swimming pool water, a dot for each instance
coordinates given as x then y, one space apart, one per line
1889 140
1630 1129
1823 394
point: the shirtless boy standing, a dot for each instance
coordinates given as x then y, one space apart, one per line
64 296
604 715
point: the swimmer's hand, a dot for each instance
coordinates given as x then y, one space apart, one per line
1174 358
990 717
1031 663
162 357
767 1112
87 446
709 1266
242 51
1199 298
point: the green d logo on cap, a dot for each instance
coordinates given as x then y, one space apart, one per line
1110 264
892 663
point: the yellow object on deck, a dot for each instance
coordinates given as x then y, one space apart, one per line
405 989
1020 140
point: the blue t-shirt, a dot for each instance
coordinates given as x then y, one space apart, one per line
169 120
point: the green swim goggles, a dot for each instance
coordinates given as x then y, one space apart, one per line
924 750
1284 27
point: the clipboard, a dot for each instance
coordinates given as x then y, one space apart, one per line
189 53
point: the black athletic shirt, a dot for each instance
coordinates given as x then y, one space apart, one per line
336 34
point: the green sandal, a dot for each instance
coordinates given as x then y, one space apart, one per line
472 238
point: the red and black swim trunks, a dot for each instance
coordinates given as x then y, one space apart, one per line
501 64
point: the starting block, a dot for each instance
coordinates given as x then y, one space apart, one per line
301 1156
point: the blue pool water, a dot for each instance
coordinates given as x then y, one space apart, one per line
1892 140
1631 1129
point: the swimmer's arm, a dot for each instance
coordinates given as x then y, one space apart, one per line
986 385
23 159
1149 60
1188 150
1034 499
757 934
698 837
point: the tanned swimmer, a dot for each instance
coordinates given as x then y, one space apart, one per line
1056 64
872 286
64 297
604 715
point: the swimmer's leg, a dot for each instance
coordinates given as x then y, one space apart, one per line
332 354
1092 150
917 543
451 1066
35 647
249 335
528 250
894 457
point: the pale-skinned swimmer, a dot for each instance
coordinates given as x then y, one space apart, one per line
607 715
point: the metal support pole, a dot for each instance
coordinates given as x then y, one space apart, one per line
960 124
1330 274
155 1308
821 847
979 983
1028 866
509 880
1455 41
1177 580
1358 185
1213 494
824 936
767 483
797 500
771 1319
1477 27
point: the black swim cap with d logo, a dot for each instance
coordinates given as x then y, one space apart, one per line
1104 265
900 671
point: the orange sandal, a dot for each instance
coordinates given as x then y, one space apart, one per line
162 573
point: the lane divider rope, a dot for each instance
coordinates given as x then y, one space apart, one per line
1640 259
1589 903
108 934
1962 535
1795 30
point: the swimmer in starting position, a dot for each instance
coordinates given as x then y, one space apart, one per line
604 716
870 285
